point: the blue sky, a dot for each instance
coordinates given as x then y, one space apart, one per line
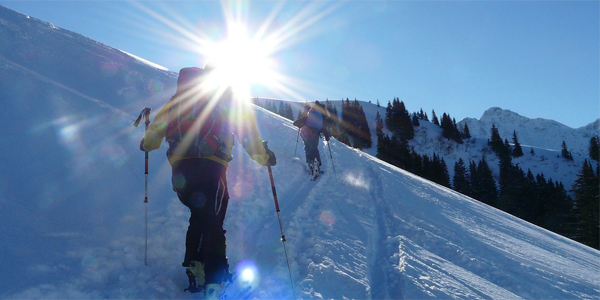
537 58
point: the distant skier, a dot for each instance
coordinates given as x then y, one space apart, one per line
312 125
199 122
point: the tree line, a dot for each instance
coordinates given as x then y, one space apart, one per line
534 198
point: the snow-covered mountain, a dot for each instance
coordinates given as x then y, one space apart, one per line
540 133
543 136
72 212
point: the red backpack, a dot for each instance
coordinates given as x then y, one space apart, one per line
196 127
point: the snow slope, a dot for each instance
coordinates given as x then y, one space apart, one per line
371 231
72 212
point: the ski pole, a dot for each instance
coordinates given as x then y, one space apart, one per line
331 156
296 149
146 115
280 224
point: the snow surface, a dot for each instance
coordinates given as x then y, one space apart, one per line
369 231
72 211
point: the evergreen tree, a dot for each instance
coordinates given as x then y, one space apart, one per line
450 130
378 125
363 130
417 162
423 115
345 123
486 191
397 120
594 149
355 124
334 121
508 187
434 118
281 109
466 132
507 148
533 202
517 191
415 120
586 193
558 207
460 179
517 151
285 110
289 113
444 175
473 180
383 148
271 106
565 153
343 137
446 125
497 145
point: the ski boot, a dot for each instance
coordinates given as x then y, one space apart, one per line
315 170
195 274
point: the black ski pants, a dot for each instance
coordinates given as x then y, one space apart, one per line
201 185
310 137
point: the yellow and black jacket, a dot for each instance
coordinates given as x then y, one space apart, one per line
234 118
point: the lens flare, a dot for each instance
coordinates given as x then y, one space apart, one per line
109 69
327 218
155 86
178 181
89 263
114 154
248 273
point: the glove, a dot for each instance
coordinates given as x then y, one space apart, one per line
272 159
142 145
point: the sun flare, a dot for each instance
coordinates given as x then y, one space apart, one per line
240 61
246 56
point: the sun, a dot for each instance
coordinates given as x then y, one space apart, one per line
247 56
240 61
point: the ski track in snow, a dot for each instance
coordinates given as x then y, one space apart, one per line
385 278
